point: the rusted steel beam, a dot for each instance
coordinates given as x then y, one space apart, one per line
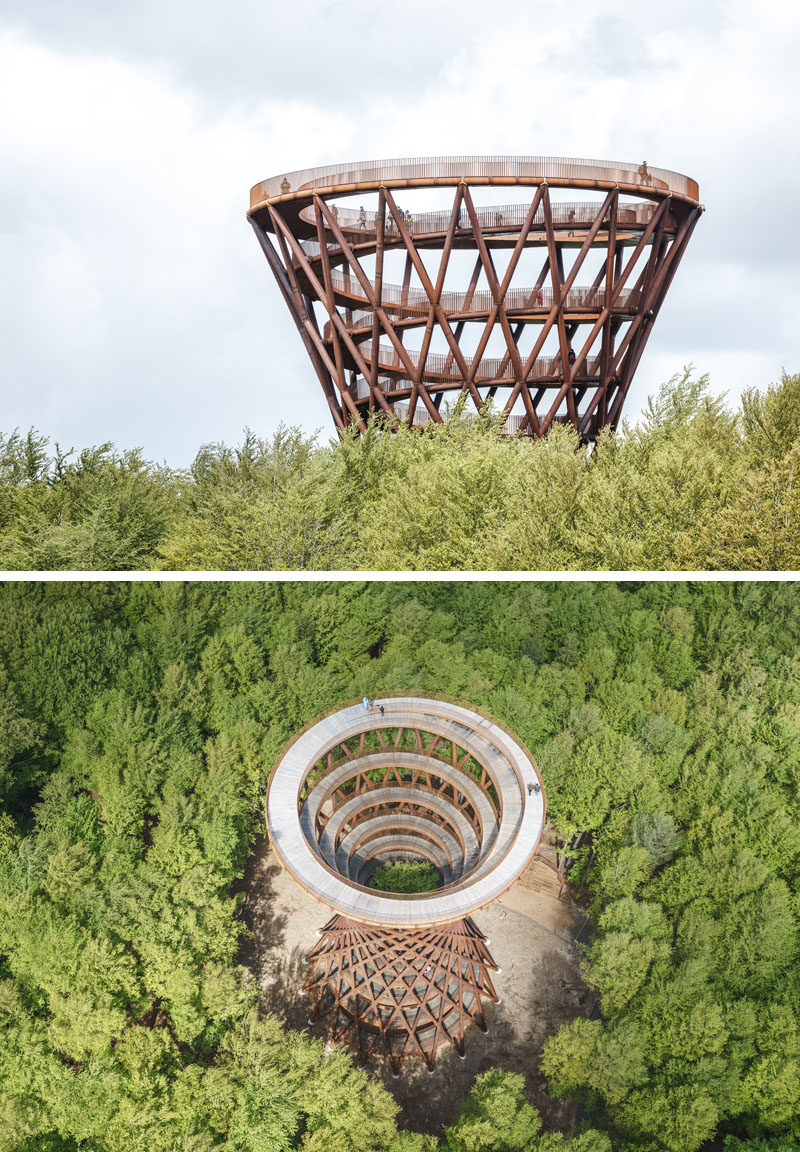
287 292
435 302
468 297
498 292
310 326
336 320
386 324
428 287
379 251
662 281
326 271
554 312
320 259
617 289
367 287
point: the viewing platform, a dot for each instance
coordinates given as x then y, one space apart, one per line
548 317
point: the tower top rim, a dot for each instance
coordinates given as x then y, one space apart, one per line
353 177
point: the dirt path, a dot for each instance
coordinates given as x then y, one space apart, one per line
531 933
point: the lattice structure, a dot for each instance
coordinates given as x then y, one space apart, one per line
399 993
415 779
560 346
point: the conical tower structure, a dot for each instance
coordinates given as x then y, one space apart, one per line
395 976
409 290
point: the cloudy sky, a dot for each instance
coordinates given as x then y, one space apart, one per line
135 304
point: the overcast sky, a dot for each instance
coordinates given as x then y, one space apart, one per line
135 304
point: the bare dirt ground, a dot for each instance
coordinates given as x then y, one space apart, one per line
532 939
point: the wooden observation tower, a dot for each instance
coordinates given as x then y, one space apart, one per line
408 287
394 976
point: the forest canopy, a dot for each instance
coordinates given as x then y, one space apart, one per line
405 876
694 485
138 727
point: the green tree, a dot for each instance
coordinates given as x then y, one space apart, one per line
405 876
494 1117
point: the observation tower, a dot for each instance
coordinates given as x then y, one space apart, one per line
530 281
412 778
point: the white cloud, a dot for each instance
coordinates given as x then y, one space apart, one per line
137 289
136 305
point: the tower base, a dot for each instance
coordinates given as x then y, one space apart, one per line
399 993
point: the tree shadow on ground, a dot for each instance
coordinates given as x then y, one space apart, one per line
541 990
279 975
429 1101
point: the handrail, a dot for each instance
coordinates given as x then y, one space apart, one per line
439 364
354 176
513 421
407 303
492 218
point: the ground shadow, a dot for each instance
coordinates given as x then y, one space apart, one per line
278 969
429 1101
539 986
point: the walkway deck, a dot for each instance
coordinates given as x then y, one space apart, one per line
502 171
323 862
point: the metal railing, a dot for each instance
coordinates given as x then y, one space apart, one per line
414 304
479 169
495 218
489 369
422 416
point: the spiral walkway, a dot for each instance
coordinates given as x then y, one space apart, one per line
426 779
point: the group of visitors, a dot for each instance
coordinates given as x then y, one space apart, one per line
406 217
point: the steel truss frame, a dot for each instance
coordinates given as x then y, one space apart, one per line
421 779
319 257
400 993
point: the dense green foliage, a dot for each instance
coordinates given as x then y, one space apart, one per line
405 876
692 486
138 724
